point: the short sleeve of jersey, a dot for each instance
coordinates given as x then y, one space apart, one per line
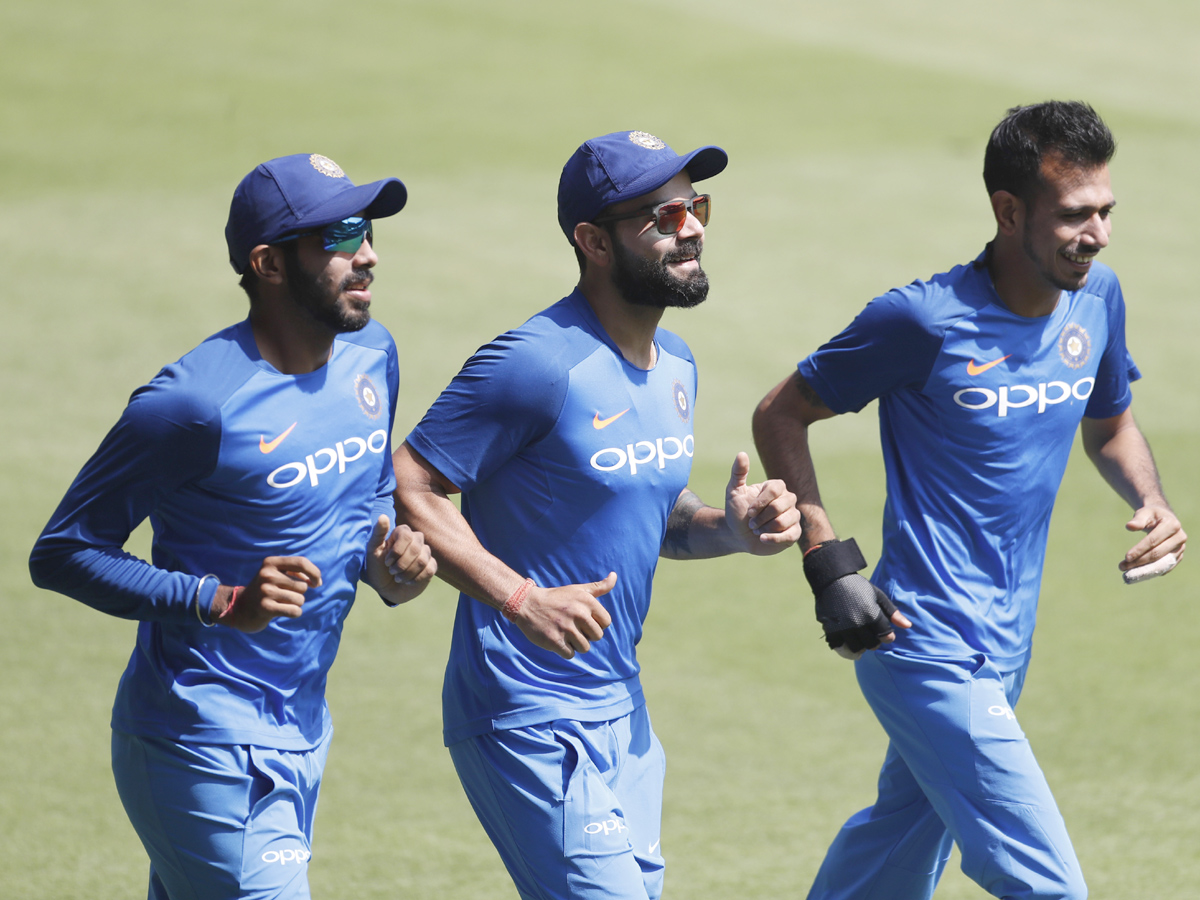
507 396
1111 394
891 344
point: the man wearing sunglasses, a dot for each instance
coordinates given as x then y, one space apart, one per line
983 374
570 438
262 459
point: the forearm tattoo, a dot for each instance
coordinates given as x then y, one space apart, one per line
679 524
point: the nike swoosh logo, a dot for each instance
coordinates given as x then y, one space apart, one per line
973 369
267 446
599 423
654 846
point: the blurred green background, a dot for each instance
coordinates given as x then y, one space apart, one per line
855 132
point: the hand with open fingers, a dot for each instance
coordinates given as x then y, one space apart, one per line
1160 550
855 614
565 620
763 517
277 591
399 564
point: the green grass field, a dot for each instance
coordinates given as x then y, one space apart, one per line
855 132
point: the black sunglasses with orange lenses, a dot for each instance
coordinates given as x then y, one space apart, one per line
670 216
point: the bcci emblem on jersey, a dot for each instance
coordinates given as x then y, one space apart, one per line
368 398
1074 346
682 405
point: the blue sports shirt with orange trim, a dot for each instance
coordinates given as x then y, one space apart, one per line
570 460
978 409
232 461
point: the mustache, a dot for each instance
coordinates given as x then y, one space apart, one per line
687 249
358 278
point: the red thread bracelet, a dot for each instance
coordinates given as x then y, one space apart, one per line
232 600
811 549
513 604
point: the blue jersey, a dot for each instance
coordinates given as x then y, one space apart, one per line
978 409
233 462
570 460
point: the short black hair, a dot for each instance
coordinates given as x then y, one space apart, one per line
249 284
1070 129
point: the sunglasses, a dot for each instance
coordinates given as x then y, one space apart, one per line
670 216
345 236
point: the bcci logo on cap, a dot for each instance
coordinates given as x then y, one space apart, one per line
326 166
644 139
368 398
1074 346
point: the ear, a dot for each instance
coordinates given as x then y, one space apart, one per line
595 243
266 262
1009 210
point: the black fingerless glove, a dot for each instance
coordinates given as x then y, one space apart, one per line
853 612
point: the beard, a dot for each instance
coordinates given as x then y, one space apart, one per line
650 282
320 300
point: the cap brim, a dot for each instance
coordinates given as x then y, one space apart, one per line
376 200
706 162
702 163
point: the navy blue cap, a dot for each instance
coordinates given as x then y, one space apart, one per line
620 166
298 193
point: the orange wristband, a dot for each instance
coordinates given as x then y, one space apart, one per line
232 600
513 604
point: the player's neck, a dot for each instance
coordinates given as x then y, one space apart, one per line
630 326
1020 286
294 345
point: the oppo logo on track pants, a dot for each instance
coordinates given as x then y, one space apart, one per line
283 857
608 826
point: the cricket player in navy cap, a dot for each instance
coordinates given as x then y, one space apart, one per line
571 441
262 459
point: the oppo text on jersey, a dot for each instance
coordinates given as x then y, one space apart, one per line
318 463
643 453
1019 396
